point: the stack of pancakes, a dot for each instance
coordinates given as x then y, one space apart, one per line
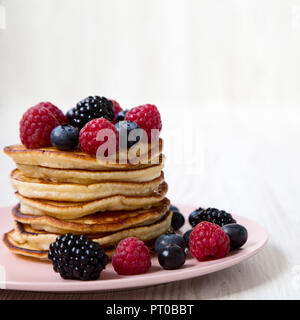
63 192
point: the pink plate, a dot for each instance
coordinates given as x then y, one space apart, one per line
21 273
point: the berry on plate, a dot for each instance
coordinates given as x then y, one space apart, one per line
127 136
132 256
77 257
91 108
219 217
208 240
36 126
237 234
64 137
171 257
97 132
177 220
117 109
186 237
169 238
147 117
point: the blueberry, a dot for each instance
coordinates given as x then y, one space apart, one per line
166 239
186 237
121 115
177 220
64 137
237 234
129 133
171 257
194 217
173 208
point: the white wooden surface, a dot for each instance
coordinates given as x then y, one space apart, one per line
244 160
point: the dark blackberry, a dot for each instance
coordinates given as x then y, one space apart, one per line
213 215
77 257
91 108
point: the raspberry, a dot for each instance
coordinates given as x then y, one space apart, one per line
147 117
36 126
117 109
89 142
208 239
58 114
132 256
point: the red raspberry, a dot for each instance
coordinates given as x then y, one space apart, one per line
208 239
35 127
88 137
132 256
146 116
58 114
117 109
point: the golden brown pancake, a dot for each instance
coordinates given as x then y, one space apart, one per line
54 158
73 210
102 222
34 244
89 176
40 189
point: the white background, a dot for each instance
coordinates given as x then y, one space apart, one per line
225 76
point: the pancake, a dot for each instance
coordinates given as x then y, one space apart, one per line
54 158
35 244
77 176
40 189
96 223
73 210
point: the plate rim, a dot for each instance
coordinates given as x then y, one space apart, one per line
130 282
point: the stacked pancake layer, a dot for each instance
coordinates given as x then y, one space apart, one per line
70 192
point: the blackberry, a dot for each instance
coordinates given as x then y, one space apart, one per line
213 215
77 257
91 108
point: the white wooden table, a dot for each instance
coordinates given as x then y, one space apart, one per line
245 161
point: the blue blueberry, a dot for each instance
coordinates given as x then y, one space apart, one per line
169 238
177 220
121 115
125 128
186 237
171 257
64 137
173 208
237 234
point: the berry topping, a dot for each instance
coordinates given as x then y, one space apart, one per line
219 217
36 126
147 117
186 237
128 133
171 257
96 133
91 108
58 114
208 240
177 220
64 137
77 257
237 234
132 256
169 238
117 109
121 116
